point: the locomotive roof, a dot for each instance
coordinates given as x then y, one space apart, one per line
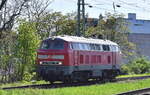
84 40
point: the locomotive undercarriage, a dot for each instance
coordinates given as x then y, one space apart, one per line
68 74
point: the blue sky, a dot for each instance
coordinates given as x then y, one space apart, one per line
140 7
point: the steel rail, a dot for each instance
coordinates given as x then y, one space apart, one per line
133 78
55 85
137 92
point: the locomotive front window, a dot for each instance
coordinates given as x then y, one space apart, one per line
53 44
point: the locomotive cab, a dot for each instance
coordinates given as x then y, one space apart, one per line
52 52
51 59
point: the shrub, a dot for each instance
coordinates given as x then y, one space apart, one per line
137 66
29 76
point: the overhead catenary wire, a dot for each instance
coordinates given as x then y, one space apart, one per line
123 3
127 6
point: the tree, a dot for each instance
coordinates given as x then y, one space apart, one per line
28 42
114 28
36 9
56 24
7 57
9 10
66 25
3 2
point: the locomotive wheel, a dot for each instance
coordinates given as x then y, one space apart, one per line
67 79
81 76
82 80
108 76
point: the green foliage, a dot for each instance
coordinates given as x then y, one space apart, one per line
28 41
29 76
7 50
137 66
55 24
133 75
114 28
27 44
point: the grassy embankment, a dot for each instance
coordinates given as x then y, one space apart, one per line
103 89
134 75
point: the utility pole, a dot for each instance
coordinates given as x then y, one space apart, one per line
114 7
83 17
81 22
78 18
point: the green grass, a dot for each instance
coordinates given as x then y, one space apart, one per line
22 83
103 89
133 75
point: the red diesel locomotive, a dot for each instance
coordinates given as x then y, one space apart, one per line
70 58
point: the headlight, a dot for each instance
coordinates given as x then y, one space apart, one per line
60 63
41 63
51 63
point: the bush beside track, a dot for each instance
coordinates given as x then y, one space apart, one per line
133 75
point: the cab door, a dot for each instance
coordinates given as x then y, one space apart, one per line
75 47
76 57
114 54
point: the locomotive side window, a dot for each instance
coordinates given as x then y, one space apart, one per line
83 46
86 46
92 47
79 46
106 47
75 46
115 48
112 48
98 47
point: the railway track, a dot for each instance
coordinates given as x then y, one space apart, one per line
145 91
61 85
51 86
133 78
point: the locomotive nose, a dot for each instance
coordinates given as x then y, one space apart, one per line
50 62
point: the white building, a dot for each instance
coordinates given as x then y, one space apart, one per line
140 34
